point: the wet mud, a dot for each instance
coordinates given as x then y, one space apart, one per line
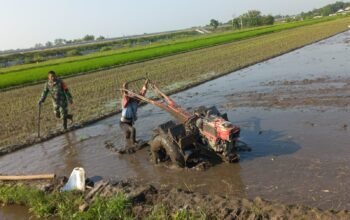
216 206
320 92
15 212
293 112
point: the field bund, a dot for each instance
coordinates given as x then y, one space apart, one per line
96 95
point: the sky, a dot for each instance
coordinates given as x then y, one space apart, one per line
24 23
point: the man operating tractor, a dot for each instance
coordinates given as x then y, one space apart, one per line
203 136
129 114
60 97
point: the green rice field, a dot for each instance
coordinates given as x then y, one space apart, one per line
25 74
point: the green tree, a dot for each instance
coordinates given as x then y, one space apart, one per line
49 44
268 20
89 37
38 45
59 42
236 23
252 18
325 11
214 23
77 40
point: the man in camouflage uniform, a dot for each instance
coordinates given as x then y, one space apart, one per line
60 97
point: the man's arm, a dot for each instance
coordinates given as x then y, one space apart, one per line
125 98
144 88
44 94
67 92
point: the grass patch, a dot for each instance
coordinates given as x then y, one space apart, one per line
116 207
160 212
65 205
40 204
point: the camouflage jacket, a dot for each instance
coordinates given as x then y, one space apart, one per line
59 92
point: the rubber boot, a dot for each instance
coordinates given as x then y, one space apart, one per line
130 146
65 123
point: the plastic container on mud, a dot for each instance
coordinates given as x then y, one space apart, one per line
76 180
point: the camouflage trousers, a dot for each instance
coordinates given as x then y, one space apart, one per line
60 109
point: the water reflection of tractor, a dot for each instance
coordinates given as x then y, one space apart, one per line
198 136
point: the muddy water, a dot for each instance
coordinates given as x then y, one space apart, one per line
14 212
300 155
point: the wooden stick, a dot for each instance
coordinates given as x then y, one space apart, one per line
28 177
39 112
90 197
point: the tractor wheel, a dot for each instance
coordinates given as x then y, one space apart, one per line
161 148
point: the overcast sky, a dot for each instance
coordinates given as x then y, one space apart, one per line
26 22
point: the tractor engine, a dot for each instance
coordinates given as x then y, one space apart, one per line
220 134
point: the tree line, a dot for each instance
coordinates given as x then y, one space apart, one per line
252 18
76 50
62 42
326 10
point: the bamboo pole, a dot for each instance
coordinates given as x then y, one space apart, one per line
28 177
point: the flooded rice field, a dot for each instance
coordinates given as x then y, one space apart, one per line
293 111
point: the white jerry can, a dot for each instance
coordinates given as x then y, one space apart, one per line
76 180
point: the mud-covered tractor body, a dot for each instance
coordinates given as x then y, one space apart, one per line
198 134
206 136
